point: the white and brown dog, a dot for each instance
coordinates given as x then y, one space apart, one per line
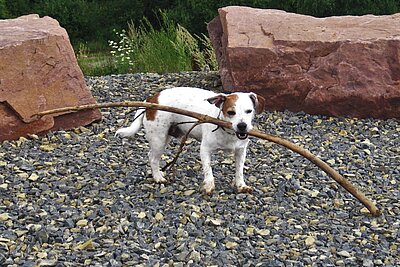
237 108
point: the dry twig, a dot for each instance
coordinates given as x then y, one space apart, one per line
180 149
207 119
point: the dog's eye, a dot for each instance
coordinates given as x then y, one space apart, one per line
231 113
249 111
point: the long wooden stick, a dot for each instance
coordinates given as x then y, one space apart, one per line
207 119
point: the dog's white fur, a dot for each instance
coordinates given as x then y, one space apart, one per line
237 108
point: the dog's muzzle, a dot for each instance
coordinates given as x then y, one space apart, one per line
242 136
241 132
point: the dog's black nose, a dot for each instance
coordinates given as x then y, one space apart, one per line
242 127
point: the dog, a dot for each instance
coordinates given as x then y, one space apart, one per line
160 126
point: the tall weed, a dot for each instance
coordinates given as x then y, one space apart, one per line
170 48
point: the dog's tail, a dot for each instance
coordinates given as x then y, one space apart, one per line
134 127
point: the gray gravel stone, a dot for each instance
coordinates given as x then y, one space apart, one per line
85 198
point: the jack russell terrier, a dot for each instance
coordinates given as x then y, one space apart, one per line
160 126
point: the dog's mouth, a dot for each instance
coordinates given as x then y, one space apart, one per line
241 136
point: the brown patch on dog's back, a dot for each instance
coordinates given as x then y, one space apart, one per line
230 102
151 113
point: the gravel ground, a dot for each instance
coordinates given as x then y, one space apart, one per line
85 198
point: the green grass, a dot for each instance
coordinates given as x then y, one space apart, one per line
97 63
171 48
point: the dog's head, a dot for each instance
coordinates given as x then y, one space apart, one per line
239 109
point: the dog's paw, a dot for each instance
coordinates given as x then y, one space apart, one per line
160 180
208 188
120 133
244 189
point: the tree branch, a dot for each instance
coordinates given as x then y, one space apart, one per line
207 119
180 149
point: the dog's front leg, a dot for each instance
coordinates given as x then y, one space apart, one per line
208 183
240 157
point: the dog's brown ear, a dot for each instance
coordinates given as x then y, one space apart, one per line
258 101
217 100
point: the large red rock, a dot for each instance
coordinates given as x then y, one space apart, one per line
39 71
341 66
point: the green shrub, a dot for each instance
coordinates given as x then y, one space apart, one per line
3 10
85 20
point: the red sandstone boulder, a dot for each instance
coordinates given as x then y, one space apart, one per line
337 66
39 71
